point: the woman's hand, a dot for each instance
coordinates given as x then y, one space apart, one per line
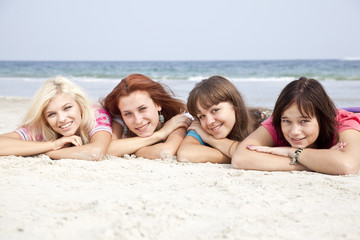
338 146
196 126
64 142
280 151
178 121
287 151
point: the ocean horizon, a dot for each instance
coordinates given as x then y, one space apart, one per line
259 81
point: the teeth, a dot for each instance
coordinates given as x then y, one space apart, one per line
142 127
298 139
66 125
216 128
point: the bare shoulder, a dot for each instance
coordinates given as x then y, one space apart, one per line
190 140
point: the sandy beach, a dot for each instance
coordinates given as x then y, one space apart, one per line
136 198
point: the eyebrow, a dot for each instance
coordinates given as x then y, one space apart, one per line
125 111
301 116
61 107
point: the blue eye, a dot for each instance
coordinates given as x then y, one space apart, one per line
201 116
215 110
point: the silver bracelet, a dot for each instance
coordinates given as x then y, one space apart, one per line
294 159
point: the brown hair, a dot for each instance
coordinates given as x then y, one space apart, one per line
159 93
215 90
312 101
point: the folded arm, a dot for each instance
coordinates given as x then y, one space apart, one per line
12 144
163 149
244 158
341 161
120 146
94 151
336 160
191 150
224 145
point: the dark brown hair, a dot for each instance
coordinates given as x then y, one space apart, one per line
215 90
312 101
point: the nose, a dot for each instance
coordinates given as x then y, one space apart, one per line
138 118
295 129
210 119
61 116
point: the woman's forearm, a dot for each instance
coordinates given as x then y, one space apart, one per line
93 151
244 158
225 145
18 147
328 161
197 153
120 147
164 149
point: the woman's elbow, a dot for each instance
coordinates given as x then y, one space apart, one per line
237 162
167 153
349 167
183 156
190 153
97 154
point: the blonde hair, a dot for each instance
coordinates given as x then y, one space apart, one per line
35 120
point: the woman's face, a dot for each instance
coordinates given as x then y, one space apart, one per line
218 120
63 115
140 113
300 131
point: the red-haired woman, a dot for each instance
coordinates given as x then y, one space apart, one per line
147 120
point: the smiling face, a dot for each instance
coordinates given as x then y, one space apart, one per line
218 120
63 115
300 131
140 113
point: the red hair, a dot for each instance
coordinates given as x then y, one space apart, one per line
159 93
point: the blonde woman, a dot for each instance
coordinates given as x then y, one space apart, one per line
60 123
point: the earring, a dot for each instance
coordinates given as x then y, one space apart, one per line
161 118
126 130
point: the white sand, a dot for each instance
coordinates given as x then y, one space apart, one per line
135 198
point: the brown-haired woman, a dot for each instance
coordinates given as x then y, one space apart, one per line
307 128
147 120
221 121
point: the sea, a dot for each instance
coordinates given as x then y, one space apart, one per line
260 82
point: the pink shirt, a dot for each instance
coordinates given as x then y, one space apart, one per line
347 120
102 123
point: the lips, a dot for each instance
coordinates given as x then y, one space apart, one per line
66 126
297 140
216 128
142 128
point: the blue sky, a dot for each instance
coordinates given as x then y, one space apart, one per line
179 30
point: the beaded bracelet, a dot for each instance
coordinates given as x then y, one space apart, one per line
294 159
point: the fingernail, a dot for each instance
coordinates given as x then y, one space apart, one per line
250 146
